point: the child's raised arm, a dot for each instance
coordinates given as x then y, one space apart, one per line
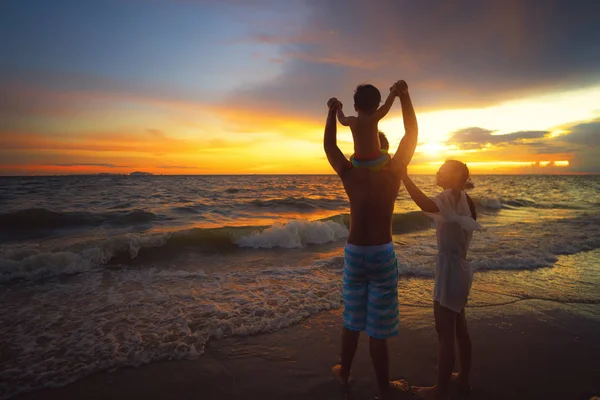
424 202
346 121
385 108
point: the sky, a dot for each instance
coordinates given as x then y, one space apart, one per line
240 86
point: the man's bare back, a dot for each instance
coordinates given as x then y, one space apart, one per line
372 196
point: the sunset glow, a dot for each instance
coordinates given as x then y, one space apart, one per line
251 105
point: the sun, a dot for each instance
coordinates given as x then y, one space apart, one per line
432 148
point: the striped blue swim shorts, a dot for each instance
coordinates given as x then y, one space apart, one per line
371 290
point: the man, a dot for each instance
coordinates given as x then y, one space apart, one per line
370 271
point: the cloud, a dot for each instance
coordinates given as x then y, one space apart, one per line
550 147
133 141
57 95
282 39
453 54
478 138
19 100
587 134
577 143
223 144
585 137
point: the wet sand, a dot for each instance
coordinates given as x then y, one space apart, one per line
528 350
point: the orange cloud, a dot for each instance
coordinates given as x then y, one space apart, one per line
24 100
145 142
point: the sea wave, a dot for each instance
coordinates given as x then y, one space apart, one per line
295 234
36 219
41 222
301 203
139 316
34 262
499 203
191 209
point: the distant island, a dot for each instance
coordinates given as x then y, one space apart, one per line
139 173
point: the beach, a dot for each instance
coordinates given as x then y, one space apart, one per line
532 349
230 287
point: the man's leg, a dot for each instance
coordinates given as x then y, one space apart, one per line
381 362
382 316
445 324
349 345
354 291
463 339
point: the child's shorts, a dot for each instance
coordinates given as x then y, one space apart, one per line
375 164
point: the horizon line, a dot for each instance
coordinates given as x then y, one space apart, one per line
287 174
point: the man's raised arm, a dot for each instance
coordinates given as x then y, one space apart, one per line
334 155
408 144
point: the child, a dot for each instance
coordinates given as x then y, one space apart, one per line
367 149
455 217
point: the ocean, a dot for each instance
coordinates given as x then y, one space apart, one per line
103 272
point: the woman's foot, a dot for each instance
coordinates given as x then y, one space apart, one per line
429 393
463 384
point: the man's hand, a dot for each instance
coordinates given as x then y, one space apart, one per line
406 148
402 87
399 88
333 104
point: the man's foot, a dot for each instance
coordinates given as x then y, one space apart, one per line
429 393
463 384
396 387
345 382
337 372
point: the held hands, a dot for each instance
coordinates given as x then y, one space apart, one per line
399 88
334 104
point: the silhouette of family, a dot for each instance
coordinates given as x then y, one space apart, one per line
372 178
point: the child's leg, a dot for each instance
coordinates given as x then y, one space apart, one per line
464 353
445 324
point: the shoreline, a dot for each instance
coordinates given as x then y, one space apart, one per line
534 349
